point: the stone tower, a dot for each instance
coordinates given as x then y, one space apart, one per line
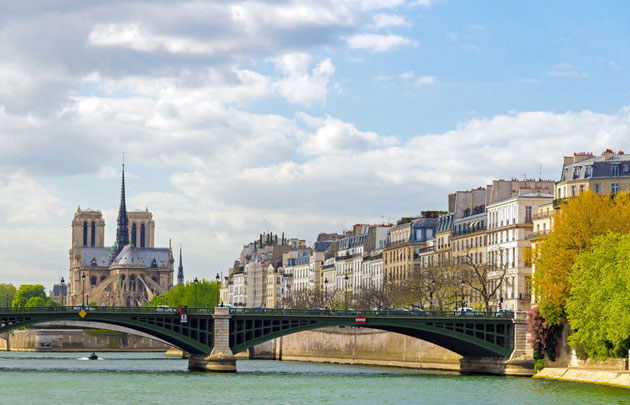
180 269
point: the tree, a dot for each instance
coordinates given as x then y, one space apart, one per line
581 219
598 307
184 295
7 291
35 302
26 292
484 278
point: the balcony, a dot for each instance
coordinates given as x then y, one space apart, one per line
558 202
395 243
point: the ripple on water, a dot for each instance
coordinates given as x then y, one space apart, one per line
154 378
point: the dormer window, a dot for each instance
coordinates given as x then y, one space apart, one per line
614 171
93 262
154 263
588 172
576 172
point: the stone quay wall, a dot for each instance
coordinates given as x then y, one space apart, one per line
359 346
33 340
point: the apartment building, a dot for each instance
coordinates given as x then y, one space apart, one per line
510 224
608 173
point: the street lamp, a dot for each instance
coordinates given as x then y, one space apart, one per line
431 294
325 290
218 289
195 281
83 287
462 284
345 285
62 282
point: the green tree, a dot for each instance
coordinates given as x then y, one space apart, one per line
581 219
26 292
598 307
184 295
35 302
7 292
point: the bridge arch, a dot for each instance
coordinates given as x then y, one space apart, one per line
464 336
195 337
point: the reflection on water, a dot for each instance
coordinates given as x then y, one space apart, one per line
155 378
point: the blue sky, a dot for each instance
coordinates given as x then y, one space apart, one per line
288 116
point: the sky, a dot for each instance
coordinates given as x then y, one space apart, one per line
242 117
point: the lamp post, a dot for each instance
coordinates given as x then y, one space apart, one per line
431 294
345 286
195 281
462 284
325 290
7 300
218 288
83 288
62 283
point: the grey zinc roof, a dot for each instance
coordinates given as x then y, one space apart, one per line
144 256
322 246
99 255
601 167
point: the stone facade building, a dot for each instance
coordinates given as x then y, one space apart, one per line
130 272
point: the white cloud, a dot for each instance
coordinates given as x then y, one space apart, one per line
298 85
389 20
24 200
423 80
377 42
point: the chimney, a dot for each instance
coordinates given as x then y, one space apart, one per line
608 153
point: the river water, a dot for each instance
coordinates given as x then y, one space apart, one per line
153 378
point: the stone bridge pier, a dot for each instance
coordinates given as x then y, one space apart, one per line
221 358
519 363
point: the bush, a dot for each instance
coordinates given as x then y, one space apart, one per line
539 365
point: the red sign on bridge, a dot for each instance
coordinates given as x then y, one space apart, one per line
360 319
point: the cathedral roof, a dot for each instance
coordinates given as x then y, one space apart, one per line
91 256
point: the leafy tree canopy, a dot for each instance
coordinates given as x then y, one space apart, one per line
26 292
6 290
184 295
581 219
598 306
35 302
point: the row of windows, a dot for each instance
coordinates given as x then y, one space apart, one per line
469 243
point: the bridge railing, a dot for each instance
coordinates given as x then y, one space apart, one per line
405 313
108 309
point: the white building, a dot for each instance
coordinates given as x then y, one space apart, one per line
510 223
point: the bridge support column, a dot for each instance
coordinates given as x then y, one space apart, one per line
520 336
5 336
221 359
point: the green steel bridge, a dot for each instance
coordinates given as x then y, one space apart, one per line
478 334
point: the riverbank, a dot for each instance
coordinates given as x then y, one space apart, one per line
616 378
69 340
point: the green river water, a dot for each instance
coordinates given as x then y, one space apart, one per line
153 378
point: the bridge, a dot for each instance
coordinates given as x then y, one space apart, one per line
213 335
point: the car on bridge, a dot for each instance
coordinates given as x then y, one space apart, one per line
164 308
86 308
504 313
467 311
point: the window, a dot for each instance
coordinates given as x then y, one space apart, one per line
85 233
614 171
134 231
576 172
614 188
93 236
588 172
581 188
142 236
572 191
596 188
528 215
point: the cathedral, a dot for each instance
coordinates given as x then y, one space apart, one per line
129 273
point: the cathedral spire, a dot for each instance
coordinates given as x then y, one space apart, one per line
180 269
122 231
